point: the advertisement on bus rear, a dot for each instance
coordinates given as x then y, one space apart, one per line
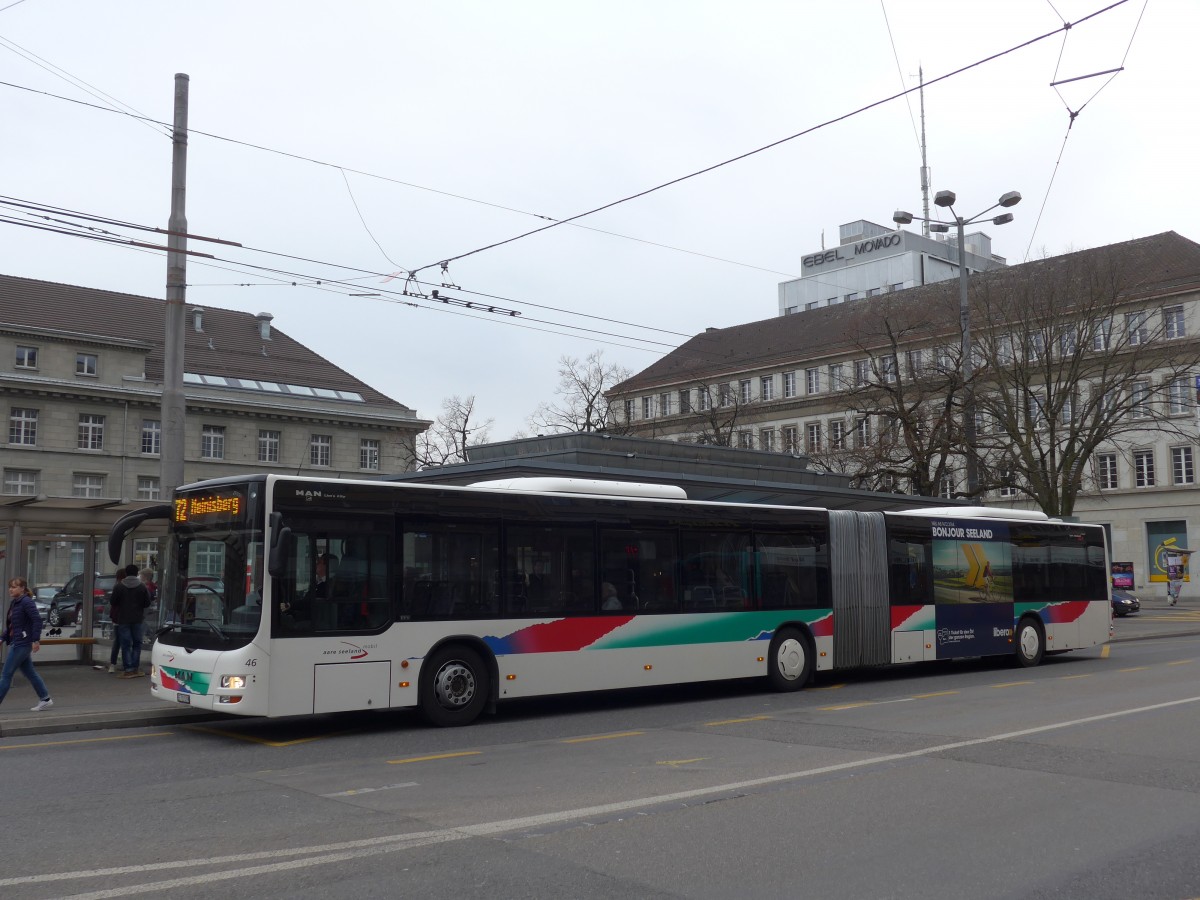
973 587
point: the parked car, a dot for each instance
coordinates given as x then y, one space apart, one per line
43 594
1123 603
67 604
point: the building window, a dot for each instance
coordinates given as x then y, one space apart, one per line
703 399
22 427
898 286
1135 328
1173 326
685 401
1179 396
862 430
21 481
368 454
836 381
811 304
268 446
1106 472
1143 468
85 364
1037 410
789 384
1182 469
725 394
853 295
91 432
320 450
646 408
664 404
766 440
87 486
766 387
789 310
837 435
832 301
1007 488
745 440
812 380
862 372
916 363
874 292
888 365
1068 342
628 410
212 442
1139 400
946 486
943 359
27 357
790 438
147 488
1102 334
813 437
744 390
151 437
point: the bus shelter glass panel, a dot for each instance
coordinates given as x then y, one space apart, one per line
551 570
639 570
451 570
716 570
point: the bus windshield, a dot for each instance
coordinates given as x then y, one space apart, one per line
215 600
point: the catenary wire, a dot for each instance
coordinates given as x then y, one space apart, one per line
900 71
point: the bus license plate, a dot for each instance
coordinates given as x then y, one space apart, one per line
184 698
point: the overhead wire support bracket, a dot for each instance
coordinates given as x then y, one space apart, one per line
1084 77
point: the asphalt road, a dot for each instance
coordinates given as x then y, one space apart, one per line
1076 779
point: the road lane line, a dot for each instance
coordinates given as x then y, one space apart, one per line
1105 650
118 737
1134 669
846 706
936 694
329 853
354 792
436 756
680 762
1180 662
257 740
601 737
736 721
1069 677
1009 684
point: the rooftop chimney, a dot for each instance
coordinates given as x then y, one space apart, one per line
198 318
264 325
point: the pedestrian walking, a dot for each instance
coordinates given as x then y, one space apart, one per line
129 601
23 633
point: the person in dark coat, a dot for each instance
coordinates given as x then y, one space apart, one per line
129 601
22 632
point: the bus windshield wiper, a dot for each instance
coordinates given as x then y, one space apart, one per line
213 625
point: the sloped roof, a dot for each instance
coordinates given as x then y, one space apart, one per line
237 349
1149 266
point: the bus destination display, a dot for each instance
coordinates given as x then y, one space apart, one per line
204 508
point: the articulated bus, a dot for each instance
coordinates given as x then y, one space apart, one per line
287 595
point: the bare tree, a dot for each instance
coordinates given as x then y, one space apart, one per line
719 408
1071 360
455 430
582 404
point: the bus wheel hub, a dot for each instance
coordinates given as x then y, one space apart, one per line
454 685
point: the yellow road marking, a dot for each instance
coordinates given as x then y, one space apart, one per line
1134 669
1008 684
681 762
846 706
828 687
1066 677
936 694
1105 650
602 737
1180 662
257 740
737 721
436 756
119 737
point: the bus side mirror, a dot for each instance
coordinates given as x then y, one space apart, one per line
281 540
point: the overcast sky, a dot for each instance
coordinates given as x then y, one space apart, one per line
555 108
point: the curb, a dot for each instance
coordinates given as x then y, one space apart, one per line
58 724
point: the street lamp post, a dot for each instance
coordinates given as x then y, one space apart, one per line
946 199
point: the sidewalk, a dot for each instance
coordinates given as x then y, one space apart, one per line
86 699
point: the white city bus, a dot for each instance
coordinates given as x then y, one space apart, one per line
287 595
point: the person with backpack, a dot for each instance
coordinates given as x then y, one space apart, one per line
129 601
22 632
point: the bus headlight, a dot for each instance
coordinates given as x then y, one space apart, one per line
236 682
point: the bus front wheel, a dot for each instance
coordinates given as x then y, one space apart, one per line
1031 643
790 663
454 686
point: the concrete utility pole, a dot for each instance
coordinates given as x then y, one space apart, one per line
174 409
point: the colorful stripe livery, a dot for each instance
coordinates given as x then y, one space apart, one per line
183 681
613 632
1053 613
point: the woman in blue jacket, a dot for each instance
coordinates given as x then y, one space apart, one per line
22 632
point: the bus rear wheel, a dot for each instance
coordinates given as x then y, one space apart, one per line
1031 643
790 660
454 686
